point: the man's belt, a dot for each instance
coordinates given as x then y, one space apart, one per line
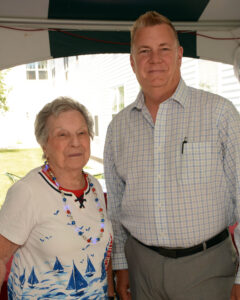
180 252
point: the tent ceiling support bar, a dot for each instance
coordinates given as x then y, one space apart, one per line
111 25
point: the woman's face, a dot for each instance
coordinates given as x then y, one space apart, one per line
68 144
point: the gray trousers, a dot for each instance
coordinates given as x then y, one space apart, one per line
207 275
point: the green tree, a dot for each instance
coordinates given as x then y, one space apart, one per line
3 93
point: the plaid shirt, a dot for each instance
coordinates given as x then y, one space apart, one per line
174 183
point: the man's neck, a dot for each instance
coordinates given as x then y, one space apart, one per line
154 98
152 103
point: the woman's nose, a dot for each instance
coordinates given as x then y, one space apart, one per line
75 140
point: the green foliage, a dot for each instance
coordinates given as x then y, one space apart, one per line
205 86
3 93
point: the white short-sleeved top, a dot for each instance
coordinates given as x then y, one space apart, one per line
54 261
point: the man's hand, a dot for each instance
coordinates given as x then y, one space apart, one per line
123 284
235 294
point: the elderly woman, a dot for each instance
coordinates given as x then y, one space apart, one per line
54 219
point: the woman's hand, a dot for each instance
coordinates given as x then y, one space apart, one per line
111 291
235 295
123 284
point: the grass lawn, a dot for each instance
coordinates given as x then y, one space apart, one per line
18 162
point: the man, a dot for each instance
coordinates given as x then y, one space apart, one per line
172 169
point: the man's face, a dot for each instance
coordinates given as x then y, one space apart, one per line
156 59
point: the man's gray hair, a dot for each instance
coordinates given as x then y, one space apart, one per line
54 108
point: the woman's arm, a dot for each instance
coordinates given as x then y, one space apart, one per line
7 249
111 290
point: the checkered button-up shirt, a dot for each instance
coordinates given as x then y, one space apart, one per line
174 183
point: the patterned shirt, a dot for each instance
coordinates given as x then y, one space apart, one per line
174 183
54 261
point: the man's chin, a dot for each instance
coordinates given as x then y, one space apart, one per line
155 84
158 83
157 79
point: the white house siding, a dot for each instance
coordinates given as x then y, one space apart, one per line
189 71
217 78
229 87
111 71
91 80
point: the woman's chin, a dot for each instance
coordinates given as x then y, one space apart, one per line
75 167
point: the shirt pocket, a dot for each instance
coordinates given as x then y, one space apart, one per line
197 163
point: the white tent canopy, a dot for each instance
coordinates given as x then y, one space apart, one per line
33 30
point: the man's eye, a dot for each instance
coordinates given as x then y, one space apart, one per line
144 51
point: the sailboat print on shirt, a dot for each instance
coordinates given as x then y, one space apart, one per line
32 279
76 282
22 279
90 270
104 273
58 266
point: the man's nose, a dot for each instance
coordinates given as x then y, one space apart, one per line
156 56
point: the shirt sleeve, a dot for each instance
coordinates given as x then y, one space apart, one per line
229 127
17 215
115 190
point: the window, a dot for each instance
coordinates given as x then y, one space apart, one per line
53 69
65 62
37 70
96 128
42 70
118 99
31 71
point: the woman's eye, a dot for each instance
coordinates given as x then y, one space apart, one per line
62 134
82 132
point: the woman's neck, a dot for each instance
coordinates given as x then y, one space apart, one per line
71 180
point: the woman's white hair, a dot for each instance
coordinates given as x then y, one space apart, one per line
54 108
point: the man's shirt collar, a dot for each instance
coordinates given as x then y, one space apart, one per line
180 95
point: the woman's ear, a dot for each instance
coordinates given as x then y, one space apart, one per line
44 151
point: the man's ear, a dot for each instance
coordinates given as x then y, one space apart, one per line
132 63
180 52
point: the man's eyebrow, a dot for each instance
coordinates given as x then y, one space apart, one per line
143 46
148 46
164 44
